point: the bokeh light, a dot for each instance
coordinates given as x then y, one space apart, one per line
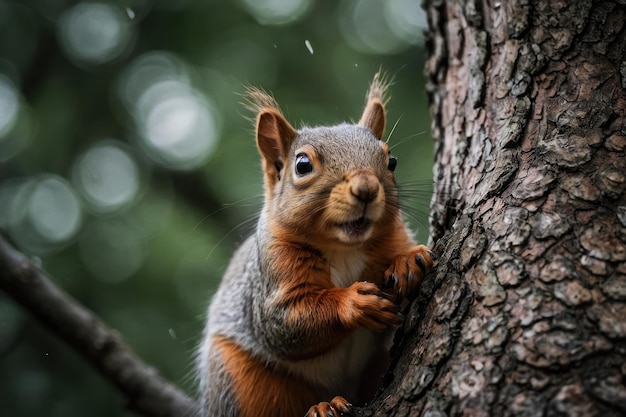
381 27
44 213
406 19
107 177
9 106
17 123
54 209
277 12
94 33
178 126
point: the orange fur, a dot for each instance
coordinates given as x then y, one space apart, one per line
261 391
317 307
308 290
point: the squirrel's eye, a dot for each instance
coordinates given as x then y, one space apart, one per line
303 164
392 163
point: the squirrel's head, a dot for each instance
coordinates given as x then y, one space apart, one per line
327 185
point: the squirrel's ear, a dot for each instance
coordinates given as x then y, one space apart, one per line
374 117
274 136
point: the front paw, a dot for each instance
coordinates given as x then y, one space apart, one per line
338 406
367 307
407 271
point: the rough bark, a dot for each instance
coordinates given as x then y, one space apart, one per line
526 312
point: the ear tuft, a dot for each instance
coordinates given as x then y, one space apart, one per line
374 115
256 100
274 134
379 86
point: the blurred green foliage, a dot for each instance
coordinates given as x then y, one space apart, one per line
129 171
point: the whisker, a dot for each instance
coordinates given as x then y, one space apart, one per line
393 129
420 216
407 138
247 222
227 206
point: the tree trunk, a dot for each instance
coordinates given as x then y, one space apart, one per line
526 312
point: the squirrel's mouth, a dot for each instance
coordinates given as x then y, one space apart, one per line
356 228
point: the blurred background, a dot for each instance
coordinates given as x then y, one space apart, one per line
129 172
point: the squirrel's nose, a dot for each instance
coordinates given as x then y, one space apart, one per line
364 187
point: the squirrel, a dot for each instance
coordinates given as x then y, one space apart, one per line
300 320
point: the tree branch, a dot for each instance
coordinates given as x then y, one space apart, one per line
146 392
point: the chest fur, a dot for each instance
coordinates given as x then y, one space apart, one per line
346 267
339 371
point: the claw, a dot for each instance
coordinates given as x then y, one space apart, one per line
335 408
419 259
339 403
387 296
391 282
407 272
